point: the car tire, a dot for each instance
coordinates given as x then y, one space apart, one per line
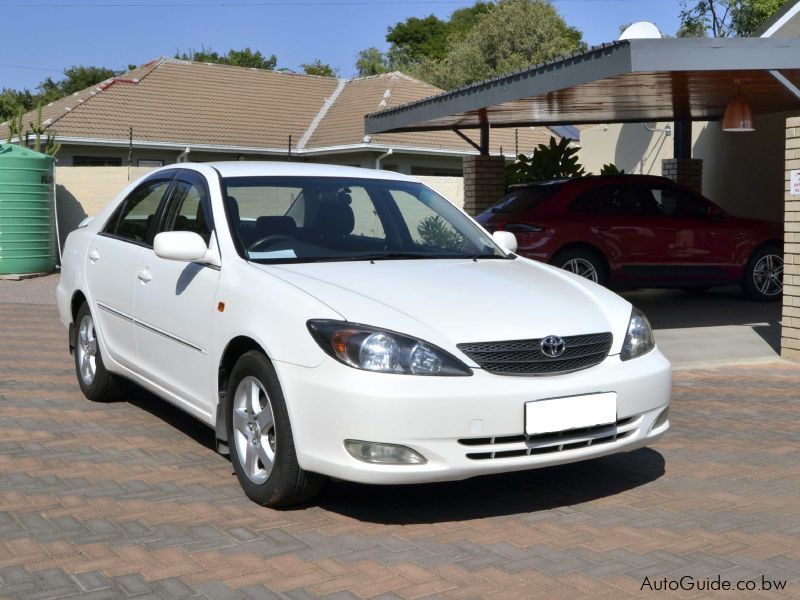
763 274
582 262
260 437
96 383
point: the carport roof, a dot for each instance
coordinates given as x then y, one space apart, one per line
626 81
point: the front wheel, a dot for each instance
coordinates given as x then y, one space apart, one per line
260 436
582 262
763 276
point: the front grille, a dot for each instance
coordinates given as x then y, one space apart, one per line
525 357
520 445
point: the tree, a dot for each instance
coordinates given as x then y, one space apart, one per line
421 38
514 35
416 41
319 68
371 62
725 18
12 101
238 58
556 160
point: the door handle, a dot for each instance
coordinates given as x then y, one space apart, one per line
94 255
144 275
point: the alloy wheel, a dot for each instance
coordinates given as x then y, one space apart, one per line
768 275
87 350
254 429
582 267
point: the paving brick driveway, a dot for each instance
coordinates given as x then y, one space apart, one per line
129 499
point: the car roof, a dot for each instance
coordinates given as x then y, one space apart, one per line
592 179
294 169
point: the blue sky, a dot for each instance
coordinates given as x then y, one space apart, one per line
42 37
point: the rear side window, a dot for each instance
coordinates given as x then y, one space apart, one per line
525 199
134 219
602 201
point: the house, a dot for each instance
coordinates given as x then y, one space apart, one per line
172 110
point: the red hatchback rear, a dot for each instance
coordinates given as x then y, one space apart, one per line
641 231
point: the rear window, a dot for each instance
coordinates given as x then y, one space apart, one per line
525 199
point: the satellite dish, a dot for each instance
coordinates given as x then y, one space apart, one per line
643 30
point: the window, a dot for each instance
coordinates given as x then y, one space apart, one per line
153 164
134 219
628 200
96 161
189 210
426 226
303 219
677 203
602 201
524 199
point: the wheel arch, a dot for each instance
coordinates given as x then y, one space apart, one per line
78 298
589 247
234 350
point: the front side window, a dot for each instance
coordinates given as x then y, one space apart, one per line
188 210
677 203
135 217
305 219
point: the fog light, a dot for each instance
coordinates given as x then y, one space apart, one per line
661 419
383 454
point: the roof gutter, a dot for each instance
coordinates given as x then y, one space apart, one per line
146 144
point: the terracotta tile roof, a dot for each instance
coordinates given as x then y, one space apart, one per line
188 103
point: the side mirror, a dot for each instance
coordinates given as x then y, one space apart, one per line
505 239
185 246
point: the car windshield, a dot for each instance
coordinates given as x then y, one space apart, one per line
307 219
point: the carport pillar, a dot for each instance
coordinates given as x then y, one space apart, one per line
484 182
790 335
683 168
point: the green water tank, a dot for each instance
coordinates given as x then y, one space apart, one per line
27 219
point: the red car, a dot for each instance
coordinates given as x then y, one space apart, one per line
641 231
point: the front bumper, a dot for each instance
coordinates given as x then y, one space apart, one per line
447 418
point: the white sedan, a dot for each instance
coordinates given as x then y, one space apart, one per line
349 323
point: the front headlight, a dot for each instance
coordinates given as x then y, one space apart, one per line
639 339
382 351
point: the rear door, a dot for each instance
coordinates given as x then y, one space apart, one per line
175 301
111 265
618 224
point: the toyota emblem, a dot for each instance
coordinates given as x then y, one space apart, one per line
553 346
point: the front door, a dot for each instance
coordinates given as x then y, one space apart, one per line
111 266
175 303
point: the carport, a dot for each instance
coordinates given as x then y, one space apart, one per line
632 81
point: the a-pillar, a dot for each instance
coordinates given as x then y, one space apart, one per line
790 336
484 182
686 171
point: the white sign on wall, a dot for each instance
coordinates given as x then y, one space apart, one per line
794 183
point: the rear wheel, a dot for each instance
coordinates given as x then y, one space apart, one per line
260 436
96 382
582 262
763 276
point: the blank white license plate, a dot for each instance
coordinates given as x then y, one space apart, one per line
574 412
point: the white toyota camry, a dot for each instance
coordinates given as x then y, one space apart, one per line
350 323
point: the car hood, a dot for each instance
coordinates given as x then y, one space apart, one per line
447 302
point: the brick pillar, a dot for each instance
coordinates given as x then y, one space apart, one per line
484 182
790 335
686 171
